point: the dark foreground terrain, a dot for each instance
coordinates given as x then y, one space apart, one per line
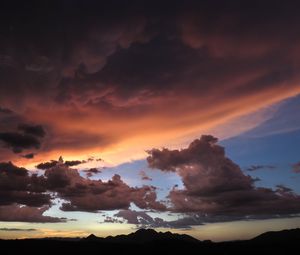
147 241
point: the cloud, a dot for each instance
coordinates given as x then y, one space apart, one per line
28 156
61 181
74 162
53 163
18 142
90 172
216 186
46 165
19 213
259 167
18 229
130 67
283 189
92 195
17 186
35 130
144 176
143 220
139 218
25 137
28 196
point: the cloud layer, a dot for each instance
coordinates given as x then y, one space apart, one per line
156 70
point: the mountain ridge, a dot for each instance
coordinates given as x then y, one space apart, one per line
148 240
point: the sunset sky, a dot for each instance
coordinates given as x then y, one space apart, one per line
181 116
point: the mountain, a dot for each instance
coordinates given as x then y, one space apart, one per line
149 241
284 236
92 237
144 236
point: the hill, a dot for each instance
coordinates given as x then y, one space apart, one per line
149 241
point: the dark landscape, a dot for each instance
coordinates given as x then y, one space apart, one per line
148 240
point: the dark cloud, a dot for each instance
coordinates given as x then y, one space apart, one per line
283 189
109 219
17 186
143 220
18 142
90 172
28 156
93 195
216 186
88 59
16 212
139 218
47 165
25 137
74 162
35 130
259 167
18 229
52 163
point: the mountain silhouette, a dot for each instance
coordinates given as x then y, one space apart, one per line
142 236
150 241
292 235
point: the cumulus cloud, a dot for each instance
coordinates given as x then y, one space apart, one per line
17 186
216 186
20 213
92 195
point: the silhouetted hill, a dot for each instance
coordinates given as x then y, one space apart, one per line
292 235
142 236
92 237
149 241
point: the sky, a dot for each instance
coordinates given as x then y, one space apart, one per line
180 116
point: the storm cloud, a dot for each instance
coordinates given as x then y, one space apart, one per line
216 186
128 65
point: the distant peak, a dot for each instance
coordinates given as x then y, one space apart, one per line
92 236
146 230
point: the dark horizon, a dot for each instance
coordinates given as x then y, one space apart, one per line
272 242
